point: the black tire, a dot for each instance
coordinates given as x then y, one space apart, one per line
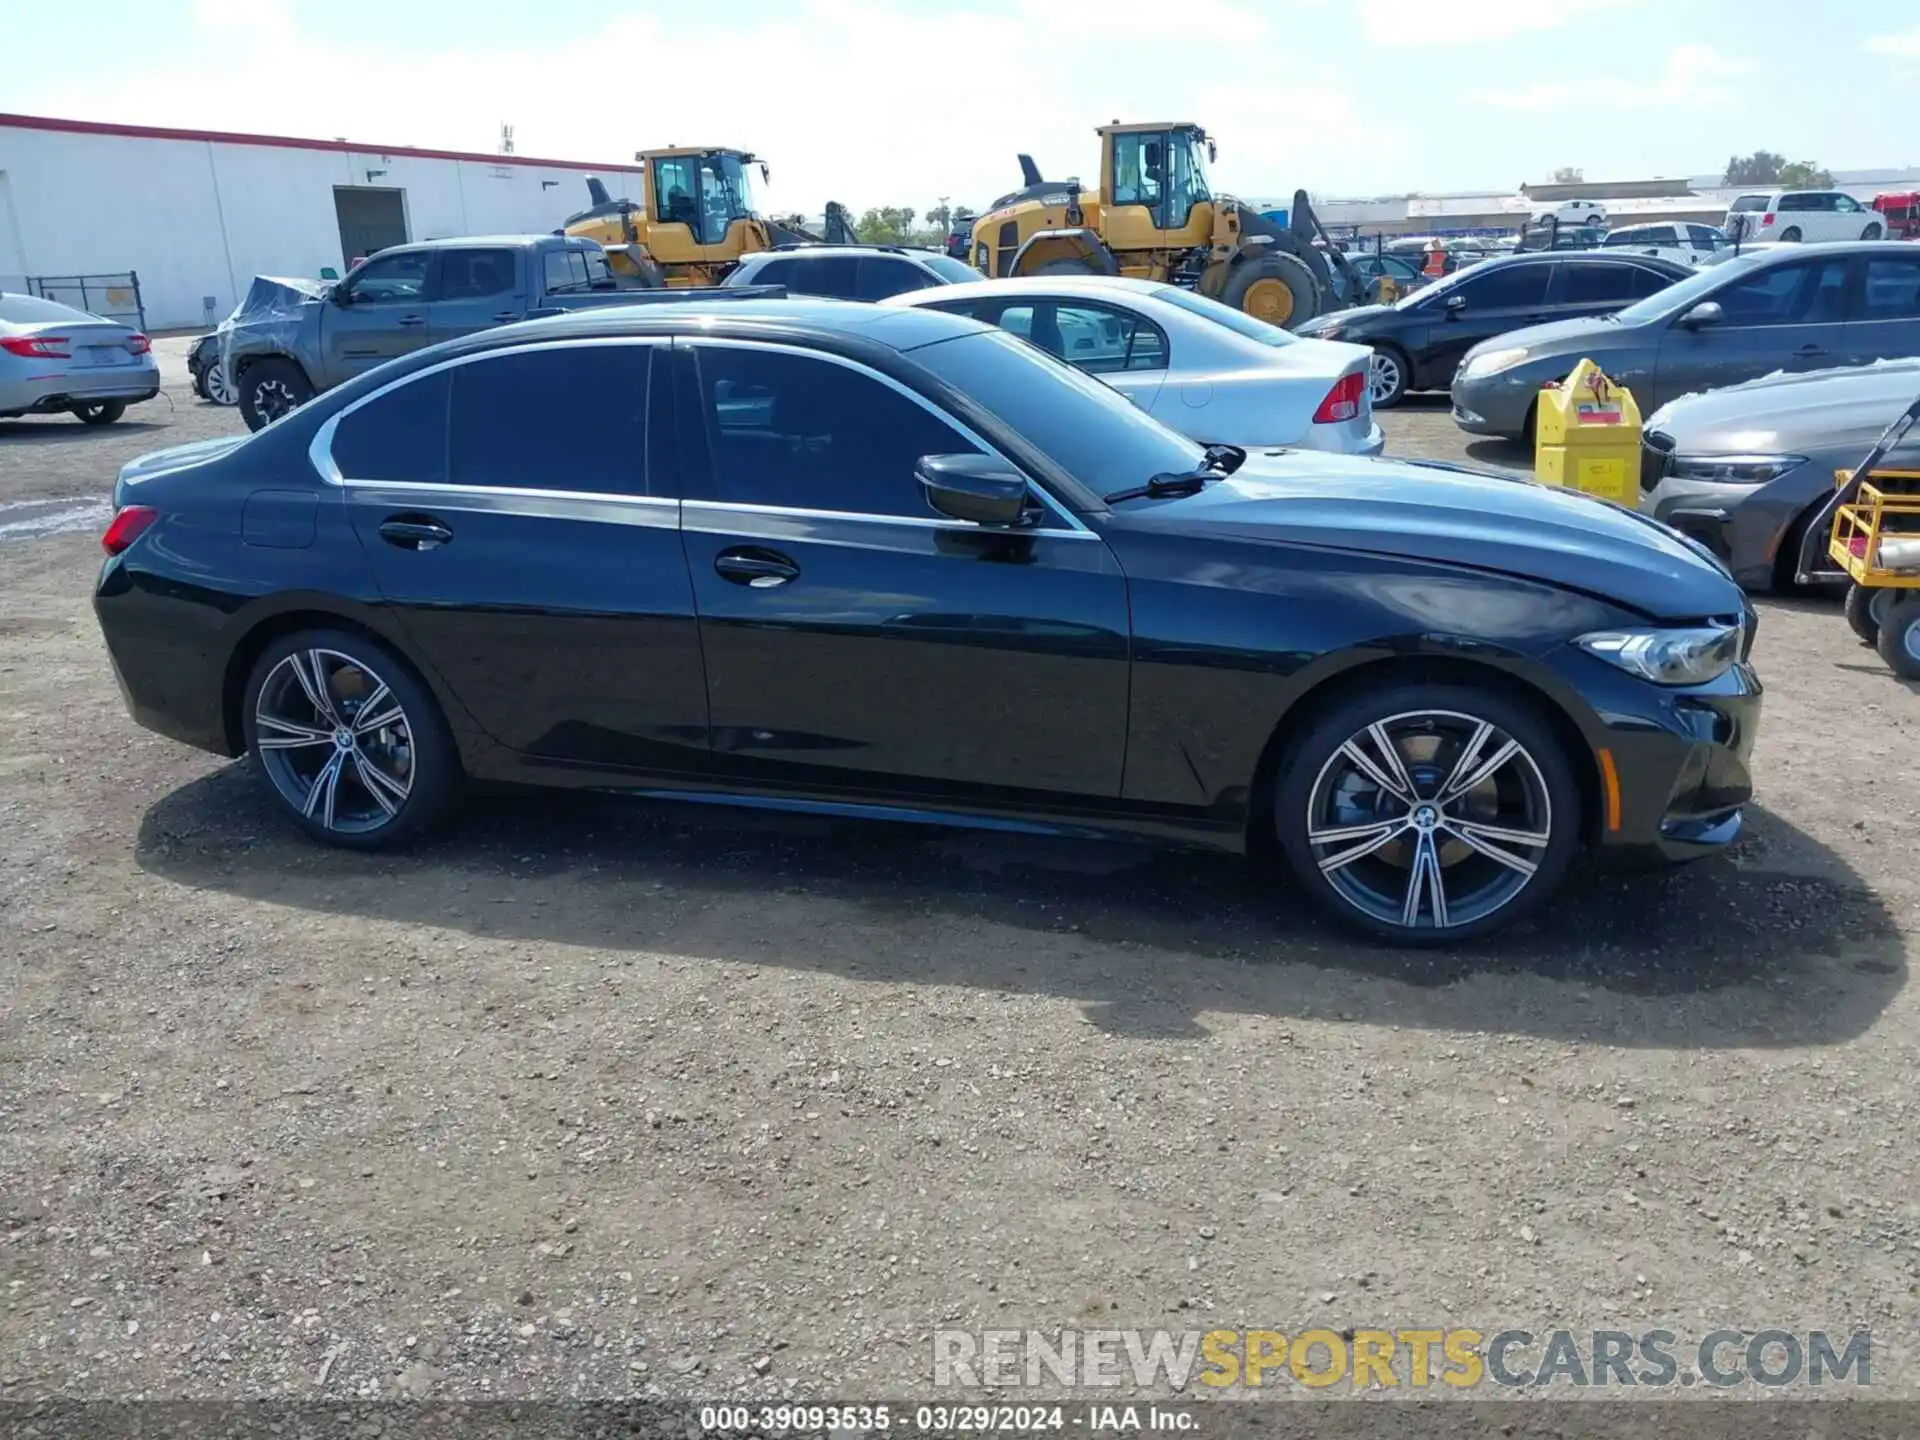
271 388
1899 642
102 412
1290 271
1791 234
1860 608
1068 267
1872 232
1387 375
1596 219
392 783
200 385
1534 790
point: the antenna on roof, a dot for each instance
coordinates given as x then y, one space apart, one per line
506 138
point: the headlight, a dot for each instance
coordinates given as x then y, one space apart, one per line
1733 469
1319 332
1492 363
1668 657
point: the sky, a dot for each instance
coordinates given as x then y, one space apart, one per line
904 102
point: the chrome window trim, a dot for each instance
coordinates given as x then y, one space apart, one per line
692 512
1046 497
320 450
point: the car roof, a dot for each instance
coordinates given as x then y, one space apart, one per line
788 252
448 242
1113 285
801 319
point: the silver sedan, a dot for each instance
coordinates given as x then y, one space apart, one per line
56 360
1197 366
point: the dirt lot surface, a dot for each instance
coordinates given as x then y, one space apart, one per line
597 1098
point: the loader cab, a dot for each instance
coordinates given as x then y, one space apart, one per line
708 191
1153 185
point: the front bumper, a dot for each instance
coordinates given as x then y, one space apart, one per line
1744 525
59 391
1679 759
1493 405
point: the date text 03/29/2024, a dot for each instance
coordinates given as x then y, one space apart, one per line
722 1420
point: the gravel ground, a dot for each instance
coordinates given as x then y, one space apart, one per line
598 1098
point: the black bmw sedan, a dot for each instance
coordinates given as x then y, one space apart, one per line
896 563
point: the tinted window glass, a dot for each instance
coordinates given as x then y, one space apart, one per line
1642 282
1511 287
1893 288
563 417
400 436
950 269
565 270
1598 285
1093 338
774 272
1750 203
1786 295
1704 237
798 431
390 279
881 277
831 275
476 274
675 188
1624 237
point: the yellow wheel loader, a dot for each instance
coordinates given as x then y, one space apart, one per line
694 221
1155 217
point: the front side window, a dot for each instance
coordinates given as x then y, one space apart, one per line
1786 295
797 431
401 435
390 279
1643 283
726 195
1511 287
1186 177
476 274
1705 237
1844 204
1139 170
559 417
1893 288
676 190
1624 237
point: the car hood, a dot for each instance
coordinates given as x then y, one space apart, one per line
1355 315
1789 414
1558 337
1452 515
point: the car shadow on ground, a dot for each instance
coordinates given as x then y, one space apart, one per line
65 430
1777 944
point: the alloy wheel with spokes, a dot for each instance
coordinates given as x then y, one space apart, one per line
1386 379
351 742
219 389
1432 820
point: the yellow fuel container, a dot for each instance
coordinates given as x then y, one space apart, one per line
1587 436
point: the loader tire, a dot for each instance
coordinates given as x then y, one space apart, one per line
1278 289
1067 267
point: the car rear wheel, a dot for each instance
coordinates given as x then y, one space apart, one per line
1791 234
1899 642
352 745
272 388
103 412
1386 378
1428 815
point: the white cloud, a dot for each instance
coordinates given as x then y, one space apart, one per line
1903 46
1419 24
1694 76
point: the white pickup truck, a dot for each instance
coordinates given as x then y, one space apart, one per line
1684 244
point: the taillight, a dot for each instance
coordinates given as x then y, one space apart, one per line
129 523
1343 400
138 345
36 347
1766 220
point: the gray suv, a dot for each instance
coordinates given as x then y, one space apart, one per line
1793 308
851 272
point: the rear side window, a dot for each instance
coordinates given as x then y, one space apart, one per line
1624 237
774 272
401 435
565 270
476 274
560 417
881 277
1750 203
1893 288
1785 295
1642 282
1592 284
835 276
1704 237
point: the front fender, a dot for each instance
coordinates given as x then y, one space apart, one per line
1081 245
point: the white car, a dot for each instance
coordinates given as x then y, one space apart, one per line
1205 369
1574 212
1791 215
1682 244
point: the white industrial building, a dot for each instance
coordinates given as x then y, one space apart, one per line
196 214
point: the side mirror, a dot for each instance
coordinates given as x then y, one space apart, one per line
975 488
1707 312
1456 303
340 296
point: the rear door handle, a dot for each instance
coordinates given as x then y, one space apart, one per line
506 316
414 532
754 567
412 320
1811 350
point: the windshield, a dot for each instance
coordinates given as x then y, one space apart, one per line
32 310
1684 293
1439 287
948 268
726 195
1186 175
1088 430
1235 320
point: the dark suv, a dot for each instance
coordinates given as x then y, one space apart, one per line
850 272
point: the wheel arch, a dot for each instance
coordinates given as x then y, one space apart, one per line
1045 246
243 363
1362 674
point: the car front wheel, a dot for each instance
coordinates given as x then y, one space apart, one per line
1428 815
271 388
352 745
1386 379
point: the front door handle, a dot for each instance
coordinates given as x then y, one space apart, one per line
414 532
412 320
754 567
508 316
1806 351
